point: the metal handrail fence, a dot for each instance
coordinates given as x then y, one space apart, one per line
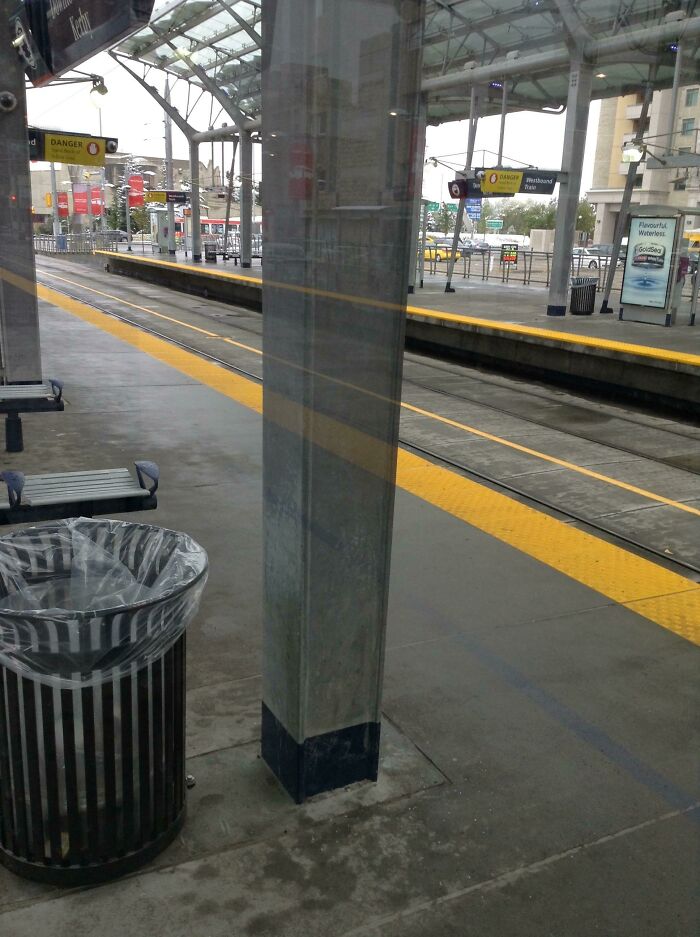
83 243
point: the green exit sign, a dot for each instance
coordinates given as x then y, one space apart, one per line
433 206
453 206
494 223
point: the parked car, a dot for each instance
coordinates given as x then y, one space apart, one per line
605 250
116 234
585 257
441 249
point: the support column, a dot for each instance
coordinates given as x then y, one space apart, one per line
577 105
229 195
338 215
194 203
418 192
504 115
129 247
622 220
19 319
169 182
471 140
54 203
246 203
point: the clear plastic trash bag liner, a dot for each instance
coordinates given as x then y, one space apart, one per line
86 601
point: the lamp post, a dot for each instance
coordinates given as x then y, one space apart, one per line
126 189
96 94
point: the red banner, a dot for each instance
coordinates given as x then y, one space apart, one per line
135 184
96 200
62 201
301 165
80 199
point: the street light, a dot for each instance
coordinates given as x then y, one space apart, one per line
634 151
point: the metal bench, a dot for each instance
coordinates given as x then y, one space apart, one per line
27 398
78 494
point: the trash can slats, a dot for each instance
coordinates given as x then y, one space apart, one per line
92 708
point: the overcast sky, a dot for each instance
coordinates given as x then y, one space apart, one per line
129 113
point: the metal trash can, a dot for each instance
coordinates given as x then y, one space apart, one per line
92 695
61 242
583 295
210 252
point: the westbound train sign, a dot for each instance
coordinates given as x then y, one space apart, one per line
168 196
504 183
53 36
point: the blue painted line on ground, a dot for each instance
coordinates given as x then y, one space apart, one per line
586 731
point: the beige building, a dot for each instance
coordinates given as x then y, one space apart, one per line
673 187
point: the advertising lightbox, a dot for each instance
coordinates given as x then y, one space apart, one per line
648 265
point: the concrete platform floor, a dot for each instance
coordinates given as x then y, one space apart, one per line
539 772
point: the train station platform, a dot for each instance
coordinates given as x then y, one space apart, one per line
538 774
501 326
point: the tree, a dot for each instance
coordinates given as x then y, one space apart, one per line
444 219
585 217
116 213
140 219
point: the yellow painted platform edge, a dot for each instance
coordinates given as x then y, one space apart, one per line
645 588
625 348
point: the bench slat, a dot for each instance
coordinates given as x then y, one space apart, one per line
94 494
34 483
24 391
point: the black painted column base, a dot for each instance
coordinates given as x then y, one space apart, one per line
323 762
606 308
14 441
556 310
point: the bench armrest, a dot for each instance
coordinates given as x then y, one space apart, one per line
56 387
15 484
151 471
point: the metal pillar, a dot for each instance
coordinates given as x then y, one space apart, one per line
19 318
246 203
673 109
127 189
229 196
168 127
504 114
54 202
621 223
471 139
103 213
421 259
418 192
195 203
88 176
337 254
577 105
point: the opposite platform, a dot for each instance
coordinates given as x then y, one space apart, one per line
636 369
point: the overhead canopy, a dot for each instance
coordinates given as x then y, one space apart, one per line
528 43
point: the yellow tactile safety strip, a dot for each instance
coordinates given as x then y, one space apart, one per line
644 351
645 588
482 434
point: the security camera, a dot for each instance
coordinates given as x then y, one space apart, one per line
111 145
8 102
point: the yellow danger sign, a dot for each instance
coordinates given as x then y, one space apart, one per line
501 181
69 148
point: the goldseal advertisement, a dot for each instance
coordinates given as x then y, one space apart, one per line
648 263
